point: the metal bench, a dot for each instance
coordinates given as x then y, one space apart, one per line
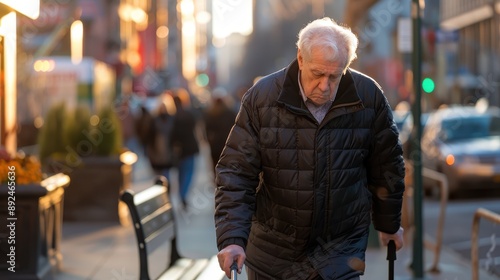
155 228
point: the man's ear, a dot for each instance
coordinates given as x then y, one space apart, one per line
300 59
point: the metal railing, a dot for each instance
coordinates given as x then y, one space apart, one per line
443 185
492 217
441 178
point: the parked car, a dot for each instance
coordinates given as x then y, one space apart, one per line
404 123
464 143
403 120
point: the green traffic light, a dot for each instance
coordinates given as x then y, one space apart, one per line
202 80
428 85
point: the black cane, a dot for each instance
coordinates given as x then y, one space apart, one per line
234 271
391 257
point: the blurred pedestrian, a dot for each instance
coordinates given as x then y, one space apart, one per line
312 160
127 122
218 119
184 142
143 122
159 145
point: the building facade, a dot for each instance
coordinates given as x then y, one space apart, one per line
470 33
10 10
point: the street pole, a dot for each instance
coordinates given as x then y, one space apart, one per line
418 261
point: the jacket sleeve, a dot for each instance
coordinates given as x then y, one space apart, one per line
386 169
237 178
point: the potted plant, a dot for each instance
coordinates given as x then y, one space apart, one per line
91 153
31 205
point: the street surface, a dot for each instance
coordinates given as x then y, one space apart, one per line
457 232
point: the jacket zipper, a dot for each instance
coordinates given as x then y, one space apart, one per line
315 233
324 235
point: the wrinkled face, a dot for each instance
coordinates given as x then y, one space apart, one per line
320 74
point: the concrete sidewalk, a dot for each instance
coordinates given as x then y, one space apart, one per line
108 251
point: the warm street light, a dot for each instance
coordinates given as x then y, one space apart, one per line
130 13
8 67
8 98
76 42
188 38
44 65
162 32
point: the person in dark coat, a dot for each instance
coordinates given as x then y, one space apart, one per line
184 142
142 124
158 143
312 160
219 119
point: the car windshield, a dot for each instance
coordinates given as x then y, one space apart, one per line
399 118
469 128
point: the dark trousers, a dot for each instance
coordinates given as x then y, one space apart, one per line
252 275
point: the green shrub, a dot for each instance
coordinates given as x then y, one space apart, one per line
50 139
75 131
109 126
80 133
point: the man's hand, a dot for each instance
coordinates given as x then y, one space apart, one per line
230 254
397 237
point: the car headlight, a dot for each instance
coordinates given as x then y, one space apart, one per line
450 159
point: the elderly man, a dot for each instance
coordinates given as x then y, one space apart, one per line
312 160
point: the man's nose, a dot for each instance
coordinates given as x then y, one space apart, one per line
324 84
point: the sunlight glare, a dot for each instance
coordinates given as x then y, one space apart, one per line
232 17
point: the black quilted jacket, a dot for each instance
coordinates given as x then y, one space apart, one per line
300 194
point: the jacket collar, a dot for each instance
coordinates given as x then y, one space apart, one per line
290 91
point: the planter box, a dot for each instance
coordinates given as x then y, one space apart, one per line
96 184
36 229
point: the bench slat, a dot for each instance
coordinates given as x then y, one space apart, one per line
212 270
178 269
148 193
157 220
151 203
196 268
160 238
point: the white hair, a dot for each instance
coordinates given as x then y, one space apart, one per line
329 35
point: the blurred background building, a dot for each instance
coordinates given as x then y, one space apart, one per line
10 12
469 38
92 50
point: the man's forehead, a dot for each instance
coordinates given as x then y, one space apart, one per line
332 68
321 61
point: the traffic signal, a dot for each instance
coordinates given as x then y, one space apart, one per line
202 80
428 85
